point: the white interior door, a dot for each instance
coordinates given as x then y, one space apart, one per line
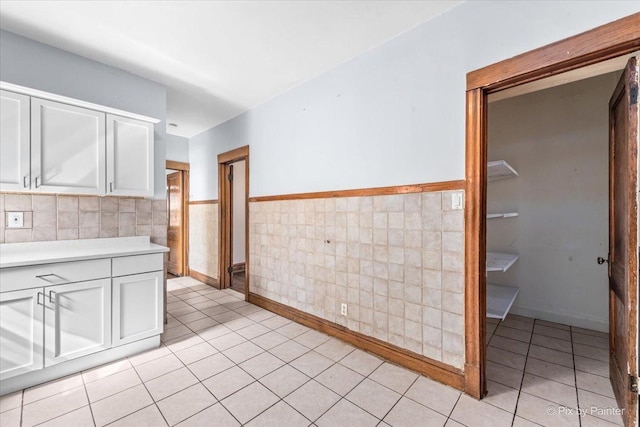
21 331
137 307
77 320
67 148
14 141
129 157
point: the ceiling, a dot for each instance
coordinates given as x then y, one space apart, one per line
218 59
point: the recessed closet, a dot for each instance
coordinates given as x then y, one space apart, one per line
547 225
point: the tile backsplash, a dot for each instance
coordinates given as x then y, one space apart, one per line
397 261
61 217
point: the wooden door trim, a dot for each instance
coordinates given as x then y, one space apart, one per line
224 212
179 166
608 41
234 155
605 42
183 168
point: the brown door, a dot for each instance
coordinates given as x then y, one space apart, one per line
623 241
175 228
226 209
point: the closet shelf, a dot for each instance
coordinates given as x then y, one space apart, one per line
500 169
500 262
499 300
502 215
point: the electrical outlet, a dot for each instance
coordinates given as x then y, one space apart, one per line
456 201
15 219
343 309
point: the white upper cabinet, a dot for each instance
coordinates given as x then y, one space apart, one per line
129 157
14 141
54 144
67 148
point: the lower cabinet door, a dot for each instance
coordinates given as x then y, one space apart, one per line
137 307
77 320
21 329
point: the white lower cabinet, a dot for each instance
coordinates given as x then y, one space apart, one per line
64 317
137 307
77 320
21 339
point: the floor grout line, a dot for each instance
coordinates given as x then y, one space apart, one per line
524 370
231 303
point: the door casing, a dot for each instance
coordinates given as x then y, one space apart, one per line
611 40
225 215
183 168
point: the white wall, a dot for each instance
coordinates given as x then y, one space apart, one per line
29 63
239 200
557 140
397 111
177 148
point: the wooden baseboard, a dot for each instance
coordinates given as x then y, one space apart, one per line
416 362
204 278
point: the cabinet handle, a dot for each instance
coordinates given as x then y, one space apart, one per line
38 299
24 181
111 187
52 295
37 185
42 276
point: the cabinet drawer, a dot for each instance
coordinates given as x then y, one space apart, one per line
137 264
34 276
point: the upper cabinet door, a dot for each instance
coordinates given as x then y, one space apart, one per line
14 142
129 157
67 148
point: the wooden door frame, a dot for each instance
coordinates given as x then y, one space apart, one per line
608 41
225 212
183 168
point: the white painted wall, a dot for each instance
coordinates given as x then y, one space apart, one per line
239 200
177 148
29 63
396 113
557 140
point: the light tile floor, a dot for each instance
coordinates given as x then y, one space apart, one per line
224 362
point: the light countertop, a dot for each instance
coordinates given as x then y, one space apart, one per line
23 254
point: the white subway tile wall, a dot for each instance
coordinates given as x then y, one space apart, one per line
203 239
397 261
62 217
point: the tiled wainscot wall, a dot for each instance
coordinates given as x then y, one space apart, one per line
397 261
203 239
61 217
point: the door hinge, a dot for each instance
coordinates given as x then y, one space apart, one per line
230 269
633 95
633 384
230 177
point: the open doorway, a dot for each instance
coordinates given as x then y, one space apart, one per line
177 176
233 203
621 355
547 225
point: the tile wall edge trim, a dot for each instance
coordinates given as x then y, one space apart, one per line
361 192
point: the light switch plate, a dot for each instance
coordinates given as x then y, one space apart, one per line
456 201
15 219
